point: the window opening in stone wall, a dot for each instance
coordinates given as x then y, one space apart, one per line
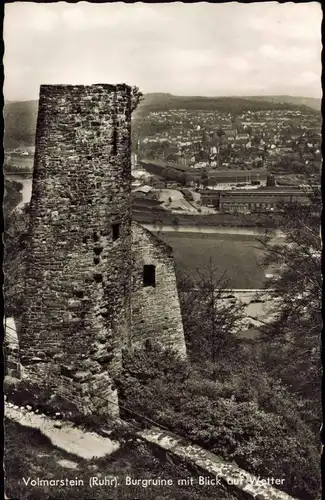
114 141
98 277
98 250
95 236
149 275
115 231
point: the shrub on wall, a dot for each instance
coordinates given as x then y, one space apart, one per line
25 392
42 398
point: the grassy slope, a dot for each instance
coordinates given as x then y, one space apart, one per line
30 454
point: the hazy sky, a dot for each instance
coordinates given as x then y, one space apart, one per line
185 49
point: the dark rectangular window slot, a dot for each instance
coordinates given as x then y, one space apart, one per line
98 278
96 260
79 294
95 236
115 231
98 250
114 142
149 275
85 239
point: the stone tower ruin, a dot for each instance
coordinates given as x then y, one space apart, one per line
78 283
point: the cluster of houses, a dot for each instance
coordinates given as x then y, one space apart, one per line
201 139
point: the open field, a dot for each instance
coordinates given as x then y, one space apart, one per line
233 254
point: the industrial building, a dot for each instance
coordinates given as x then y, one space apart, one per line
250 201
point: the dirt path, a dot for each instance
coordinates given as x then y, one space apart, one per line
84 444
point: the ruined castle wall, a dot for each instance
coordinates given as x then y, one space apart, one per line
77 297
156 312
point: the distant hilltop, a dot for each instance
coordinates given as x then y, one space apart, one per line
20 123
235 104
20 116
310 102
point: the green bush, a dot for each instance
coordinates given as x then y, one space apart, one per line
243 417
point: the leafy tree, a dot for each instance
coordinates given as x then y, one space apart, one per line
270 181
136 98
209 322
297 167
245 416
172 157
16 234
12 196
294 338
204 179
175 221
202 155
256 140
183 179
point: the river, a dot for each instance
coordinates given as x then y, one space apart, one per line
243 231
233 250
240 231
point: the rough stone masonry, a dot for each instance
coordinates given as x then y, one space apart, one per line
94 281
78 284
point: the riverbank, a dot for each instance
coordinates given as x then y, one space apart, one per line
250 232
163 217
208 220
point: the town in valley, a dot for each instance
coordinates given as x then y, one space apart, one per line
162 264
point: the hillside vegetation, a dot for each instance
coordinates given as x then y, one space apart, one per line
161 102
20 117
310 102
20 123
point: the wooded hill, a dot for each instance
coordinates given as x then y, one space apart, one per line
20 117
163 102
